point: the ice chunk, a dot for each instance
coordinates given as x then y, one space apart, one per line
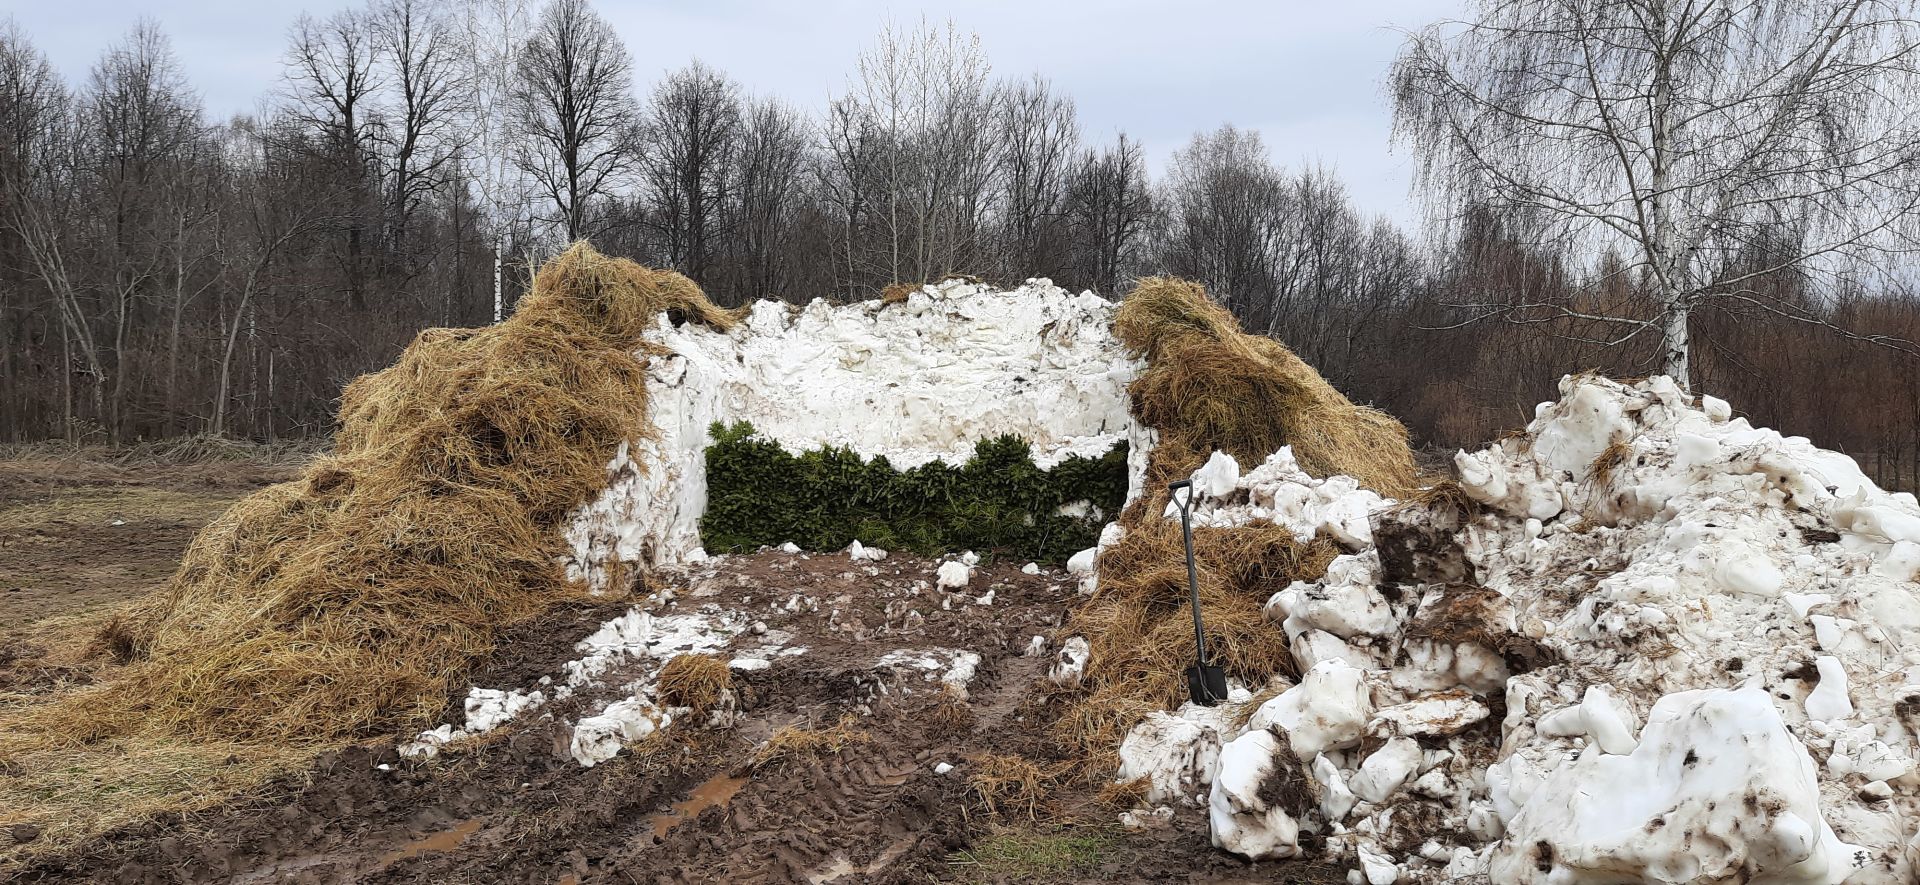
1327 710
1387 769
598 738
1177 756
1717 789
1071 664
1829 700
1335 799
1247 819
1440 713
953 575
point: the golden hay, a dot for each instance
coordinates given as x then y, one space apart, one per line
1139 622
1006 782
694 681
1209 386
793 742
895 293
347 602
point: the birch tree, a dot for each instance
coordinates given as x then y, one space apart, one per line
1681 132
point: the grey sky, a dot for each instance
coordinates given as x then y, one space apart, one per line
1309 75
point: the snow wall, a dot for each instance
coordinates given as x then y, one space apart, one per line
1663 646
915 381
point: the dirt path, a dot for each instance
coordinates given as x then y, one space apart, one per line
897 802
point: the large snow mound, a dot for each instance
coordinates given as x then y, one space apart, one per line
1634 557
918 381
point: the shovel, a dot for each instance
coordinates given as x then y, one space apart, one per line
1206 683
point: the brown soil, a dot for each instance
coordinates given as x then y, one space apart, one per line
79 534
688 805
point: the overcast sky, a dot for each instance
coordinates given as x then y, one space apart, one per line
1308 74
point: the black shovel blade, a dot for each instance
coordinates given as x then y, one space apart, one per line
1207 685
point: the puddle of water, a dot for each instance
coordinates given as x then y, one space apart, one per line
445 840
715 792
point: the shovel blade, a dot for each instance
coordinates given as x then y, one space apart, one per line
1207 686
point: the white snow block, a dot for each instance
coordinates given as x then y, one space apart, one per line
1387 769
1328 709
598 738
1829 700
953 575
1177 756
1241 819
1717 791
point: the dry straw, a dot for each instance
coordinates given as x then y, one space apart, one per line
349 601
1209 387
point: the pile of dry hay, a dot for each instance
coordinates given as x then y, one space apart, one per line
349 601
1208 386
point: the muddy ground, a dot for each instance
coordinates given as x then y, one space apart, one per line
698 802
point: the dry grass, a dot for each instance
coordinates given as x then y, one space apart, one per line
694 681
1139 623
346 602
1610 458
795 742
895 293
1001 783
1209 386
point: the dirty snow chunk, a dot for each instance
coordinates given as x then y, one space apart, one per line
749 664
1036 647
1031 568
1440 713
943 768
489 708
1599 716
1071 665
1244 822
1082 563
1217 477
599 738
789 548
1717 789
1801 603
1345 603
970 558
953 668
427 744
1383 773
1335 799
1142 819
1328 709
1177 756
1377 868
953 575
858 552
1829 700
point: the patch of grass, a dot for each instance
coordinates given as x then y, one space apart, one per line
1012 855
759 494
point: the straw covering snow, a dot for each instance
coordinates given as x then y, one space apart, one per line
1705 637
916 382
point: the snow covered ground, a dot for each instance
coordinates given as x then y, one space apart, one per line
1669 647
918 381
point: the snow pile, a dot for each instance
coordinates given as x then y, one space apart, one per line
919 381
1633 558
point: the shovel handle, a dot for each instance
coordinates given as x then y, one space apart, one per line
1193 573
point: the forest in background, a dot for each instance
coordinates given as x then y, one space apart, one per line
163 273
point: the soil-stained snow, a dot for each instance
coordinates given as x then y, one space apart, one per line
918 381
1705 637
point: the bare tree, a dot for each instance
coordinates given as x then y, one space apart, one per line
573 99
418 48
768 181
1038 135
923 95
1108 210
1683 131
332 79
691 130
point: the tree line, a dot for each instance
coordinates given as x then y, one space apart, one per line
165 273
